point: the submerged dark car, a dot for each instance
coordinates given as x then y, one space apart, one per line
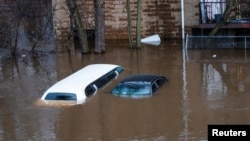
139 85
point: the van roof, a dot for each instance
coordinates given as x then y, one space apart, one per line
76 82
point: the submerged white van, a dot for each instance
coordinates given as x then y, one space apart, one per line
82 84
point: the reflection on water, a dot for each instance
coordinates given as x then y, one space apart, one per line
212 82
201 90
55 103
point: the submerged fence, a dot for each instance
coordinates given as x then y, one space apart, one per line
209 42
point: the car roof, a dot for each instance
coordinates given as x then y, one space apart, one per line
76 82
143 77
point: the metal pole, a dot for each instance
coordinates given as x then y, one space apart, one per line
245 43
245 47
182 19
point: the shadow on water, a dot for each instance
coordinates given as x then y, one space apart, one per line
201 90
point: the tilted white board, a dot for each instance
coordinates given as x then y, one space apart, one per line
153 40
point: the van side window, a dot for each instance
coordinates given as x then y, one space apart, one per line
105 79
89 90
119 69
110 76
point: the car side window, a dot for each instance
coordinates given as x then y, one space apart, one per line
154 87
160 82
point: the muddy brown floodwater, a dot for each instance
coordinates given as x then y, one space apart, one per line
204 87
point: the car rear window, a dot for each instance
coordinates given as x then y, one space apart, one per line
60 96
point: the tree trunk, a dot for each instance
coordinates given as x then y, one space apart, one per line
16 36
99 26
43 32
82 35
21 10
224 18
138 23
129 24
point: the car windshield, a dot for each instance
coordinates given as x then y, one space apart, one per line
60 96
132 89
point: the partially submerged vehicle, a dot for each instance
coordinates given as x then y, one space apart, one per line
80 85
139 85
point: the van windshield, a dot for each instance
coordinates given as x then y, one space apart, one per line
60 96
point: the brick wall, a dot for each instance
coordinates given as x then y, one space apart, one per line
191 14
61 20
158 16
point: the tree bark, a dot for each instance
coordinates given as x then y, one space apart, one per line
82 35
21 9
43 32
138 23
224 18
16 36
99 26
129 24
